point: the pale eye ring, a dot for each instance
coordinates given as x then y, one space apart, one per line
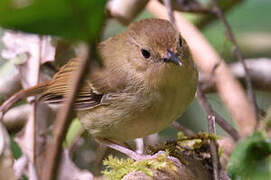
145 53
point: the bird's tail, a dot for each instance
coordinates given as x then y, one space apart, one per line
24 93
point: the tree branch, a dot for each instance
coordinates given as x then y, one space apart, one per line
238 54
192 6
125 11
211 129
209 18
259 70
64 118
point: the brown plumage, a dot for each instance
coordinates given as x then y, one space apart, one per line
147 82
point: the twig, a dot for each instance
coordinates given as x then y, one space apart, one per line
219 120
259 70
211 129
239 56
64 117
167 4
213 147
209 18
226 126
191 6
34 112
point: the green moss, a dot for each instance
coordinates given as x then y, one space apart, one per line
116 168
196 141
193 146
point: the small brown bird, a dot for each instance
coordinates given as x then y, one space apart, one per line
147 81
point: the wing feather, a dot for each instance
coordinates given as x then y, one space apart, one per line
97 85
88 97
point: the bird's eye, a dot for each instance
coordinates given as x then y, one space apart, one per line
181 42
145 53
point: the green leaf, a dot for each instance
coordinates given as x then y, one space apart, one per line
75 19
250 159
74 131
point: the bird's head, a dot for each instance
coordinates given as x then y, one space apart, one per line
156 41
157 49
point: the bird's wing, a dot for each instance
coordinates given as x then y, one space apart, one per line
92 94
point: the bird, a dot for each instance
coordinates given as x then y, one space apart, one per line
147 81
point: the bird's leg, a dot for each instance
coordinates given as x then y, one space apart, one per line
134 155
139 145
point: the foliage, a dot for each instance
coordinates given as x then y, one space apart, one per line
116 168
80 19
251 158
74 131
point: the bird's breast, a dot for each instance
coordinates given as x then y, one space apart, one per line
139 113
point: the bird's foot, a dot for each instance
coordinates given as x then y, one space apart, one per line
130 153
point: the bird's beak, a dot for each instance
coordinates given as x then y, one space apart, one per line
173 58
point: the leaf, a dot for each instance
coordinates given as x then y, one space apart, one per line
75 19
74 131
250 159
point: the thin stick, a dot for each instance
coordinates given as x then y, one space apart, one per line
209 18
191 6
211 129
167 3
226 126
259 70
64 117
213 147
34 111
240 58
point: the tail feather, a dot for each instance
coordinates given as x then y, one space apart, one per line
35 90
